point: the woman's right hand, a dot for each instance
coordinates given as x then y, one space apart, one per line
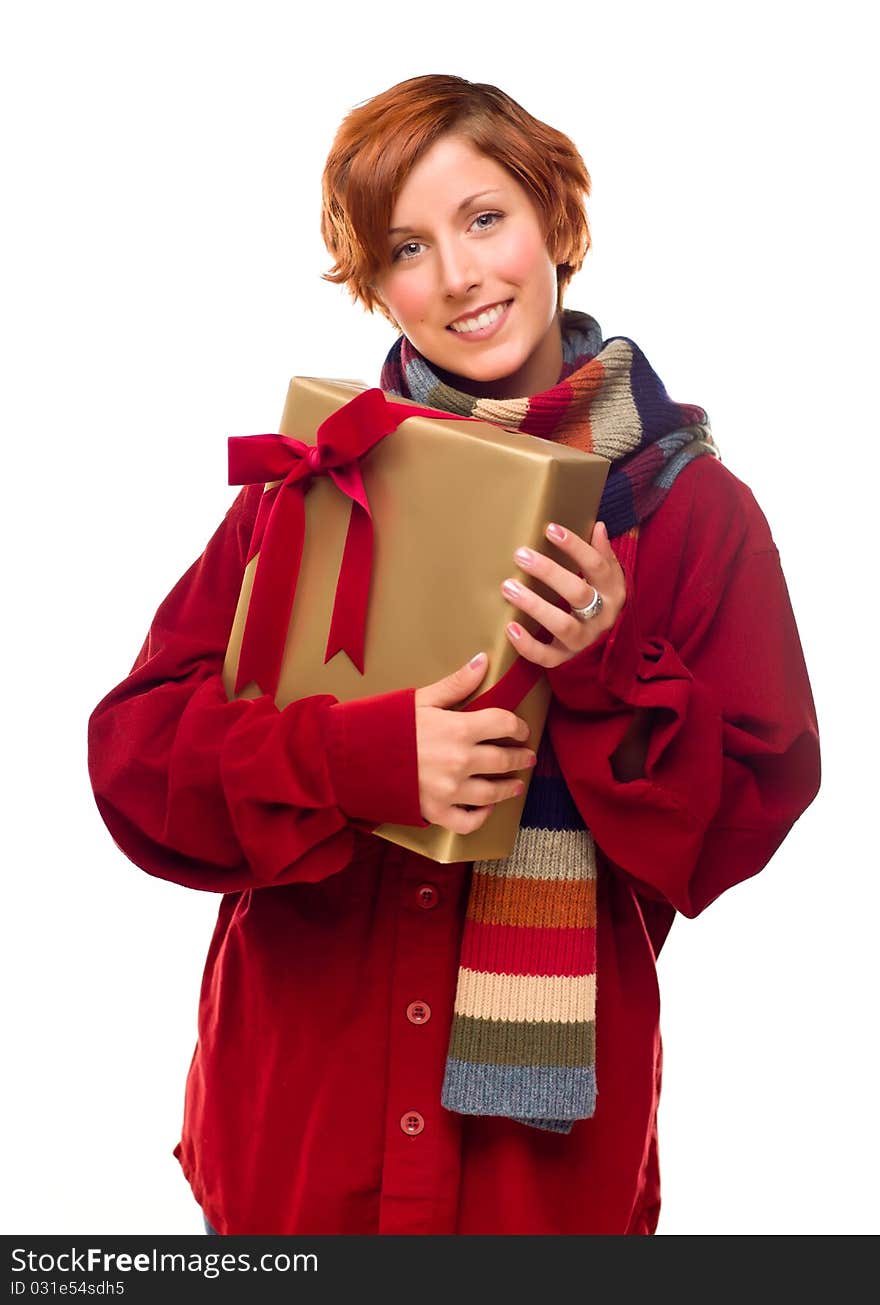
458 755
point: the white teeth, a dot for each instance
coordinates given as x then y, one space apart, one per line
484 319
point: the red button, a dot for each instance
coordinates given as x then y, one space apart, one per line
427 896
412 1123
418 1012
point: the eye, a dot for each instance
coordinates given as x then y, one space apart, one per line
480 217
398 253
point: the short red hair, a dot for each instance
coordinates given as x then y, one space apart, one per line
380 140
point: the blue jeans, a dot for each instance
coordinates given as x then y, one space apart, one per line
209 1229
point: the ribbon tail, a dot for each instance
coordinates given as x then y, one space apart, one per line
264 511
348 626
274 590
518 680
509 691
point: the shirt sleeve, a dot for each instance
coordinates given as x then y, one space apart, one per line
732 755
226 795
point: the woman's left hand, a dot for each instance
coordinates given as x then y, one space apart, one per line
600 571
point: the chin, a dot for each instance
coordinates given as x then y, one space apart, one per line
487 369
485 375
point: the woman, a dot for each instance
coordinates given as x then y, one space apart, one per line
346 1079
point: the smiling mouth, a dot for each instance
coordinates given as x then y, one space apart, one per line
481 325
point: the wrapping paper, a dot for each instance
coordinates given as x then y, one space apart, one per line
386 570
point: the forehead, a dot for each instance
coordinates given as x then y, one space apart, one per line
451 169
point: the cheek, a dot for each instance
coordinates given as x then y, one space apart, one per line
526 260
409 300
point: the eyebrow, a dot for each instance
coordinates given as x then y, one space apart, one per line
397 231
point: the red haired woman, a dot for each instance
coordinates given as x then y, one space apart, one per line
388 1045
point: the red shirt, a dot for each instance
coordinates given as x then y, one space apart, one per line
313 1099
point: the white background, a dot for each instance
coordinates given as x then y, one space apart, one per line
161 283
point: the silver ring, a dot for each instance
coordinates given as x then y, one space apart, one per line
585 613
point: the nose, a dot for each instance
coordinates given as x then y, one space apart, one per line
459 268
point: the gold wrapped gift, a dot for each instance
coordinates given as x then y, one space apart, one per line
450 502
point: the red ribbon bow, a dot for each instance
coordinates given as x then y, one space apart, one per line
342 439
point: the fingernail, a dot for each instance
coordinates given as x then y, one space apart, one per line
514 631
477 659
511 587
523 555
555 532
602 527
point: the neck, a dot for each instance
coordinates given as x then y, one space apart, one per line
539 372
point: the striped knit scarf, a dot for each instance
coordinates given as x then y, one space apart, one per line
523 1032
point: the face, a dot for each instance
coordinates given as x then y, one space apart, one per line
466 240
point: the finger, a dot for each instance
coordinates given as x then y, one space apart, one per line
492 760
569 586
494 723
542 654
561 624
486 792
584 554
459 684
459 820
600 541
